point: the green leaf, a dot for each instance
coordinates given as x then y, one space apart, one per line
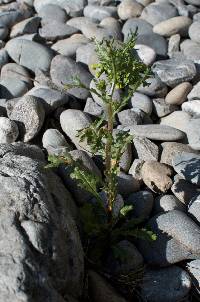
126 210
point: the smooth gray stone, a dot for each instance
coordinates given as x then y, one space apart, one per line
80 22
145 149
98 13
167 203
84 53
156 132
157 12
194 208
127 184
19 50
13 70
129 117
194 31
9 18
178 239
174 45
195 92
184 190
142 26
156 88
193 269
63 70
56 30
192 108
142 102
142 202
12 88
27 26
29 114
191 50
154 283
177 119
161 108
155 41
174 71
93 108
187 165
3 57
52 12
193 133
194 2
55 142
33 199
3 32
182 9
8 131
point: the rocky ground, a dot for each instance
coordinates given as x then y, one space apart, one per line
43 44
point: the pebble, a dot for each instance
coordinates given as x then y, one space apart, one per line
8 131
55 142
12 88
193 134
191 50
142 102
3 32
155 13
55 30
187 165
178 238
29 114
142 26
194 208
172 26
130 117
98 13
3 57
13 70
63 69
86 54
52 12
174 71
155 41
170 149
127 184
174 45
146 54
184 190
161 108
155 88
194 31
157 176
93 108
193 268
142 202
129 9
192 108
194 2
177 119
178 94
19 50
145 149
27 26
154 289
157 132
135 169
166 203
195 92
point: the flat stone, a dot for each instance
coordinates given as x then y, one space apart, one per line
178 239
161 108
98 13
155 41
194 208
12 88
187 165
52 12
154 284
170 149
128 9
80 22
145 149
192 108
193 134
62 71
143 27
3 32
8 130
142 102
86 53
178 94
29 114
55 142
177 119
184 190
127 184
191 50
172 26
157 132
155 13
146 54
166 203
27 26
142 202
174 71
130 117
55 30
10 18
156 88
157 176
68 47
13 70
194 31
93 108
19 50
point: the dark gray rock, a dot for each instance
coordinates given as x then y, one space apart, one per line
127 184
13 70
27 26
161 108
130 117
145 149
3 57
155 41
157 12
194 208
35 221
184 190
3 32
62 71
12 88
178 238
56 30
142 26
52 12
174 71
165 203
156 88
193 269
154 289
142 202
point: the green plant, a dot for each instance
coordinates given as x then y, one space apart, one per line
105 220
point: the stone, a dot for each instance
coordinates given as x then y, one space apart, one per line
52 12
126 159
80 22
56 30
50 98
194 2
153 288
170 149
128 9
38 198
142 102
143 27
72 121
68 47
156 132
166 203
93 108
13 70
86 53
19 50
178 238
155 41
29 114
132 262
98 13
3 57
174 45
174 71
100 290
157 176
155 13
195 92
161 108
172 26
182 9
191 49
194 208
8 131
27 26
184 190
74 9
130 117
156 88
54 142
62 71
193 134
135 169
3 32
193 268
187 165
194 31
142 202
178 94
12 88
145 149
11 18
144 2
177 119
146 54
127 184
192 108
